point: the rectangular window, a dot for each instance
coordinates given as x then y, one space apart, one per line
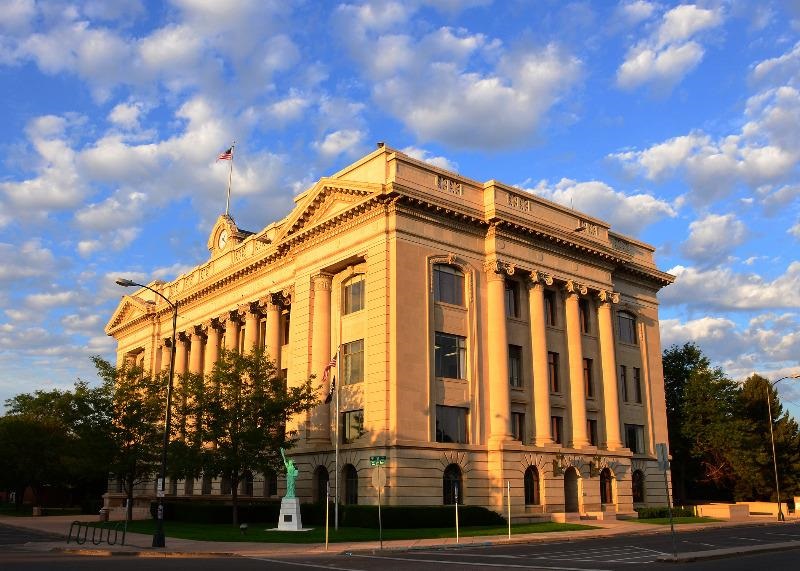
591 431
634 438
353 295
588 379
557 428
637 384
512 299
583 315
627 327
515 366
552 372
286 322
451 424
448 284
623 382
352 425
450 356
518 426
353 362
262 334
550 308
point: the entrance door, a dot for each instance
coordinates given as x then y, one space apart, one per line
571 490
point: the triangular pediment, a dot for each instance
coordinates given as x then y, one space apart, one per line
130 308
326 200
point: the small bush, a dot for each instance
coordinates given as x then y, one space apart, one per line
652 513
409 517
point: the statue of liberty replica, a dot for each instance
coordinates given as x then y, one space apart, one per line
289 519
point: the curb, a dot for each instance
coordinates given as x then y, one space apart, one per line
728 552
142 554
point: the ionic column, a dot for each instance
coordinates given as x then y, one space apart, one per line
211 353
252 315
577 396
273 341
497 352
232 330
609 369
321 353
196 354
540 390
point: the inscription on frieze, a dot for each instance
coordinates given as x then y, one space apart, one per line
449 185
519 202
589 228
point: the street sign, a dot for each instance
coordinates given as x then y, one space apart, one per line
663 460
379 478
377 460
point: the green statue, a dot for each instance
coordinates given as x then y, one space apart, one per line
291 475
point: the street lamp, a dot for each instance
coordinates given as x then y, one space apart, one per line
772 440
158 535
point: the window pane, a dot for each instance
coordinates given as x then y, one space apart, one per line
448 284
556 428
450 356
512 299
623 381
627 327
353 362
549 308
637 384
552 371
515 366
588 381
451 424
353 295
583 309
352 425
518 426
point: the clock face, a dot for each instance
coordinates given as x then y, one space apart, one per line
223 239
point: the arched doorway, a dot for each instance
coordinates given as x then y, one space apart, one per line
531 482
452 486
606 489
321 478
571 490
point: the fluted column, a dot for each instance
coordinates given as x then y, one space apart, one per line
252 316
321 353
539 387
232 330
273 341
211 353
609 369
499 393
577 396
197 341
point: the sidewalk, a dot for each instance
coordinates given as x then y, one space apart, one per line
140 545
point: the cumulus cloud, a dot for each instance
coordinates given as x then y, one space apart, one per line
781 70
347 142
628 213
27 260
670 52
713 237
428 157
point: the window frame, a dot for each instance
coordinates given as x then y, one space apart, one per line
452 485
532 487
350 423
444 292
515 366
626 333
448 417
352 362
518 426
588 377
512 299
592 431
635 432
557 429
348 288
553 373
439 366
549 308
623 382
638 395
638 486
583 316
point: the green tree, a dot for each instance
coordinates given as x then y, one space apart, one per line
241 413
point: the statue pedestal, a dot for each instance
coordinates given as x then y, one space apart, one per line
290 520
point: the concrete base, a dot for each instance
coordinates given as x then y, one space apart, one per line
290 519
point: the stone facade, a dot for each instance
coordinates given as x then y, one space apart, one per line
488 336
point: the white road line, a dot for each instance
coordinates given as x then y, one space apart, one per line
749 539
478 564
785 534
699 543
298 564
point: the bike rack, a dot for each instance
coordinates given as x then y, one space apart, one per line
100 531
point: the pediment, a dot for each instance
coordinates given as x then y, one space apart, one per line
325 201
129 309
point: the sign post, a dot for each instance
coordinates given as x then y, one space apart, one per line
508 487
327 510
663 465
456 496
379 481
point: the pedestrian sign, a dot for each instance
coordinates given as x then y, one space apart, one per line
377 460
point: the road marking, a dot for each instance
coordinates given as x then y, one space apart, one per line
477 564
699 543
298 564
748 539
786 534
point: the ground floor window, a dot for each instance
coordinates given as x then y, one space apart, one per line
531 483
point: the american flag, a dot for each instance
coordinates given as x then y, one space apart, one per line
226 156
331 364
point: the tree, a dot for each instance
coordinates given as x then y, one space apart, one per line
241 411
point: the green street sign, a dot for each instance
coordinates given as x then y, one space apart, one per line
377 460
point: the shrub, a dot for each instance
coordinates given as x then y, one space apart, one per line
677 511
409 517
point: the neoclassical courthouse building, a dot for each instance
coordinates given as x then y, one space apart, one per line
488 337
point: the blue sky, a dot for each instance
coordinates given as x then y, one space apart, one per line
678 123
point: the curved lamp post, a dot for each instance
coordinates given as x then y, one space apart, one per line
772 440
158 535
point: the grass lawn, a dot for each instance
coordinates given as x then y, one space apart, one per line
257 532
676 520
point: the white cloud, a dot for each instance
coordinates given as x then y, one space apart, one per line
636 11
43 301
347 142
781 70
795 231
629 214
712 238
670 52
425 155
126 115
27 260
16 15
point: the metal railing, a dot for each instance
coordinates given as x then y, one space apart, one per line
110 532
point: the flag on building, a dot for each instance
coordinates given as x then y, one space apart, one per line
326 373
226 156
329 398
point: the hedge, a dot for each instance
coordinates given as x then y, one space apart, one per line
649 513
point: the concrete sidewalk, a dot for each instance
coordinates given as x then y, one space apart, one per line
140 545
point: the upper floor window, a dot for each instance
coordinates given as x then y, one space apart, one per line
583 315
634 438
353 362
550 308
351 425
353 294
448 284
512 299
450 356
552 372
588 379
623 381
451 424
518 426
627 327
515 366
637 385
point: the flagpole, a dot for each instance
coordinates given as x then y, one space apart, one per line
230 178
336 454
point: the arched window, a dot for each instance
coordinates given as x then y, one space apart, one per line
350 476
270 484
531 481
626 323
448 284
452 486
606 490
638 486
353 294
321 478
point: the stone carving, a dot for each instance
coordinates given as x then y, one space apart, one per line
575 287
607 296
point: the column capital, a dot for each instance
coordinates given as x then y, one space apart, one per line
250 307
183 336
572 287
230 316
607 296
537 278
200 330
322 281
499 269
215 323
